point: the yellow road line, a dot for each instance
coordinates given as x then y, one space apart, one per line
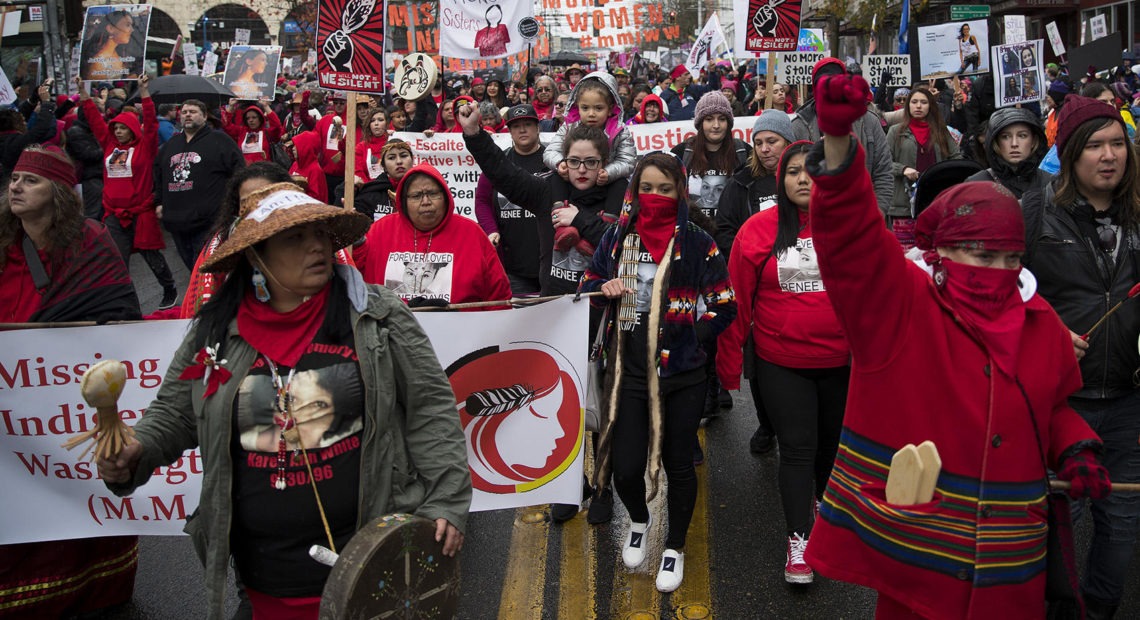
525 579
694 598
577 584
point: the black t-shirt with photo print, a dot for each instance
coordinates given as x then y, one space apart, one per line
273 529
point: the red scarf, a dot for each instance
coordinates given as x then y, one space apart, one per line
990 302
656 221
283 336
921 131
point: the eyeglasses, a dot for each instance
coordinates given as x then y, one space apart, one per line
592 163
1107 236
431 194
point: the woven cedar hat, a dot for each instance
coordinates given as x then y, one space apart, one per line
279 207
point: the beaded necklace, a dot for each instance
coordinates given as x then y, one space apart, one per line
283 418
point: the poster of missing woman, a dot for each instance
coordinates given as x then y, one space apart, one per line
251 70
114 42
1019 73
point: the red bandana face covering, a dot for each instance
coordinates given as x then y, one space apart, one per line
282 336
989 300
656 221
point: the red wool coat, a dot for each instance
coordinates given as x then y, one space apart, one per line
128 172
978 549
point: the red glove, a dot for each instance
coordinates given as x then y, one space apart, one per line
840 100
1086 475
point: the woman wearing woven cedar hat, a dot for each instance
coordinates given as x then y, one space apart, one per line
654 266
56 265
276 365
973 360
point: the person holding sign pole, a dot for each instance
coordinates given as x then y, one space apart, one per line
990 368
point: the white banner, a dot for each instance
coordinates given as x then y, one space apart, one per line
795 67
1055 38
1020 75
702 51
190 58
475 30
61 497
522 456
1014 29
7 93
665 136
897 64
954 48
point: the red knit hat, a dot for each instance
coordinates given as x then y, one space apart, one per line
979 215
1079 109
677 72
48 162
823 62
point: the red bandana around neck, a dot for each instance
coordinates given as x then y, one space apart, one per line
282 336
655 223
989 300
921 130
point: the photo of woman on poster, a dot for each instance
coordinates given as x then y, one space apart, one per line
251 71
114 42
968 51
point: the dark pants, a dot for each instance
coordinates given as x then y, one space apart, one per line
125 239
1116 517
682 412
93 199
189 244
806 406
522 286
751 372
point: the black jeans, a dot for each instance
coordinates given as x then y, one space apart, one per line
125 239
682 412
806 407
189 244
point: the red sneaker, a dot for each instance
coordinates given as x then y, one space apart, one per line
796 570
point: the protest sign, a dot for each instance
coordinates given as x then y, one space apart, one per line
702 51
114 42
795 67
954 48
1055 38
448 153
1014 29
311 58
1099 27
72 69
209 63
811 40
1101 54
475 30
770 25
524 456
7 93
1020 75
190 58
61 496
241 36
896 65
251 70
651 137
350 37
10 22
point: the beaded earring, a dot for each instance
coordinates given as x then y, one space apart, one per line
259 289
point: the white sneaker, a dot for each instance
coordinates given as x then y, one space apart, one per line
633 552
672 571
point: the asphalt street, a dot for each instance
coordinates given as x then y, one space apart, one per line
513 567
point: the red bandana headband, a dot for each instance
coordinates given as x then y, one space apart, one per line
48 162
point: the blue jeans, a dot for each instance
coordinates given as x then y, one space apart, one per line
1116 518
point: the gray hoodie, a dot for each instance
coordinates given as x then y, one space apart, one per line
1024 176
869 131
623 154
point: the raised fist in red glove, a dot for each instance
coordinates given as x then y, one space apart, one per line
840 100
1086 475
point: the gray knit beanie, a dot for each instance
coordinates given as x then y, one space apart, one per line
777 122
712 103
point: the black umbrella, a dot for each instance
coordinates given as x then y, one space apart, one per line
564 59
178 88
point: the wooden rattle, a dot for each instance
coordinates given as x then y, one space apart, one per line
914 474
101 386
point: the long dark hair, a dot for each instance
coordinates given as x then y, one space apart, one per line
938 132
788 222
99 36
1127 192
669 165
724 158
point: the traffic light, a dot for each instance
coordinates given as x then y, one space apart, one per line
672 17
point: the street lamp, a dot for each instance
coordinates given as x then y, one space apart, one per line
205 35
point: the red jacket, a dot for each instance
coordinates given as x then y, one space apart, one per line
255 145
786 307
978 549
460 264
367 151
128 172
308 167
332 159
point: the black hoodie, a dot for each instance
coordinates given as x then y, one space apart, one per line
1021 177
190 178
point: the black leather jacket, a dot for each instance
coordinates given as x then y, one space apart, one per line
1082 283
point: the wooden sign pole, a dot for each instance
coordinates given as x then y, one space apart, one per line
350 152
769 80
